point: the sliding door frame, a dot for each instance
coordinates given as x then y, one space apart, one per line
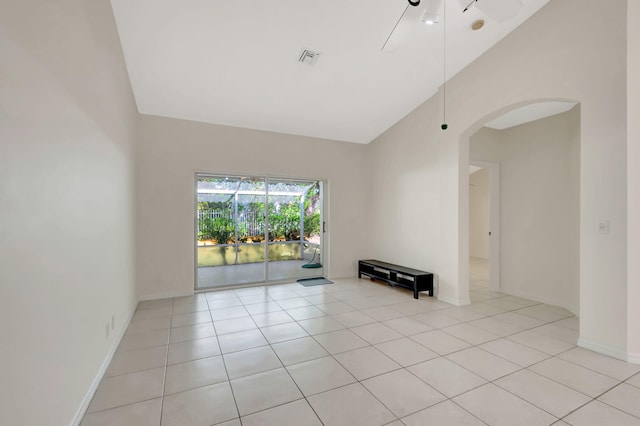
324 234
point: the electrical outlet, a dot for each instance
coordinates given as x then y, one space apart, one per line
113 322
107 330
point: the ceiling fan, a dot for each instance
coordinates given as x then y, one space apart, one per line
428 12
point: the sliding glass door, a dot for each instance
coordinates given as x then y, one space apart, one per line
251 230
294 237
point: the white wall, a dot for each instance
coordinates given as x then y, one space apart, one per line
633 164
172 151
539 206
407 178
66 204
479 214
553 55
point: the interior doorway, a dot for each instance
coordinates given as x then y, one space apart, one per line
538 230
256 229
484 225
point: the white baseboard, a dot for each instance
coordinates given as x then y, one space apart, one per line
633 358
103 369
166 295
605 350
455 301
536 298
342 277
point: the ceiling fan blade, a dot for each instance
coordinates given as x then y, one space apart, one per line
408 21
405 24
466 4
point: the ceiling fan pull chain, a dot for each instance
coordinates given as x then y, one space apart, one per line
444 125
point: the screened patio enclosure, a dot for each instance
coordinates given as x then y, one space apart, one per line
252 230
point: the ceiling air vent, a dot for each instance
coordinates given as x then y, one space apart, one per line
308 57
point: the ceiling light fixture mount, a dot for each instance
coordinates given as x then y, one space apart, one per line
429 18
414 3
477 24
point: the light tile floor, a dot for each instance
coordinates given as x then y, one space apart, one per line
358 352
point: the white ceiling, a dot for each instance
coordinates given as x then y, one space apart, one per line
235 62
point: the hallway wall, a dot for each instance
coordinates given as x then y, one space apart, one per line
633 177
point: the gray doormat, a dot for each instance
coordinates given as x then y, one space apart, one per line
308 282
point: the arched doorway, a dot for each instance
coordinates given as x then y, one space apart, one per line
539 199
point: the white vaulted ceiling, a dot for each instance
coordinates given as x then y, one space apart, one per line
235 62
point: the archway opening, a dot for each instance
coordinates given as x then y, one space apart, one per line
532 152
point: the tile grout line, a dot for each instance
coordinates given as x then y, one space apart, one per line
612 406
166 363
224 363
401 367
284 367
371 345
491 381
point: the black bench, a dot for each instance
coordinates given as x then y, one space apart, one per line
410 278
